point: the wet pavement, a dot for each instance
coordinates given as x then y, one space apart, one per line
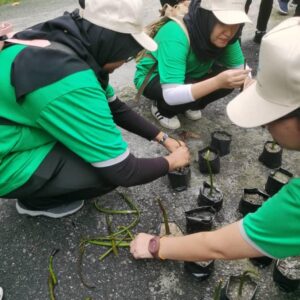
26 243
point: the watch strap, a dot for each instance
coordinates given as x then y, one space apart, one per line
153 246
163 139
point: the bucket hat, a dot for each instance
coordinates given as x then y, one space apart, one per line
276 91
227 11
125 16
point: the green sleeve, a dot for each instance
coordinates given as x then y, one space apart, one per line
233 56
172 52
274 229
109 92
82 121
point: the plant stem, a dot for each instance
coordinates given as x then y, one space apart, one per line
112 212
120 238
165 216
52 279
217 292
80 259
206 157
111 249
110 232
107 243
273 144
51 288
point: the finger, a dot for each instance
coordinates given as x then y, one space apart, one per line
179 142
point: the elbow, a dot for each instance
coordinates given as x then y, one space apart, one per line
214 248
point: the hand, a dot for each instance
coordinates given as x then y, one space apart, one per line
139 246
179 158
171 144
231 79
248 82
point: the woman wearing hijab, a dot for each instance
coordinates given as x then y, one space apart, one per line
194 69
59 137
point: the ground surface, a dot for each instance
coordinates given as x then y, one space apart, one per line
26 243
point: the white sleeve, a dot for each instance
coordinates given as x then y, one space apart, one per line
176 94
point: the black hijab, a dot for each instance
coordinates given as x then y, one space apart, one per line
91 46
200 23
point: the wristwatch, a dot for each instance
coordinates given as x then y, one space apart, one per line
153 246
163 139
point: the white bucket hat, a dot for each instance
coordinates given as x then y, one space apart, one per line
227 11
277 90
125 16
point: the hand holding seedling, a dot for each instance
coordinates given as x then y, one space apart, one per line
233 78
179 158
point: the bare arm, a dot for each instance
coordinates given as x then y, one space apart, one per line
224 243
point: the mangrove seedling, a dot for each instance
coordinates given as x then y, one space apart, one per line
169 228
110 233
218 291
213 157
114 240
52 279
206 157
165 216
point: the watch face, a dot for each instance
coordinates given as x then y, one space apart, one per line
153 246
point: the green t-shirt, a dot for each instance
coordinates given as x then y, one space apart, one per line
176 59
73 111
274 229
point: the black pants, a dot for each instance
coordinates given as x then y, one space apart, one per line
61 178
297 11
264 13
153 91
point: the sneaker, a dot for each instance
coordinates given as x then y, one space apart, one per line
258 36
283 7
193 114
170 123
294 3
55 212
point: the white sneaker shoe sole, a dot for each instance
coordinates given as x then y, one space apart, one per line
163 120
66 210
194 116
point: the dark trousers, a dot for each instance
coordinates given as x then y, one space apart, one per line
264 13
153 91
61 178
297 11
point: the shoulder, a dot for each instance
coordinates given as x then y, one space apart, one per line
171 31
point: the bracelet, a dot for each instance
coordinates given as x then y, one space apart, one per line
163 139
159 256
